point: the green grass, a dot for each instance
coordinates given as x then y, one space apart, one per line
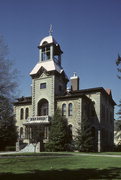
43 166
27 164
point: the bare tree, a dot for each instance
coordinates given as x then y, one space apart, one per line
118 62
7 88
7 73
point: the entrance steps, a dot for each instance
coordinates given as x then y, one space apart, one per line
28 148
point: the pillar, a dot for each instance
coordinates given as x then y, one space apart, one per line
99 149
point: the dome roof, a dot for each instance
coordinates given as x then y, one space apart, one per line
48 39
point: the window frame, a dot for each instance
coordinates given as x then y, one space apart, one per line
26 113
63 109
70 109
43 107
45 53
43 85
21 113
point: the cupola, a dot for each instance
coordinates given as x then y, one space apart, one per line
49 49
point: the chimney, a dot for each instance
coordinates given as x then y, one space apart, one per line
74 82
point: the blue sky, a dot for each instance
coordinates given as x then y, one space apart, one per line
89 32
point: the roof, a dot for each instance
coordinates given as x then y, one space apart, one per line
69 95
106 92
48 39
23 100
72 96
89 91
48 66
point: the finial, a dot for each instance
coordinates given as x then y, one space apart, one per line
50 30
74 74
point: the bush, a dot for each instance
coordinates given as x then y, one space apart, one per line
10 148
50 147
117 148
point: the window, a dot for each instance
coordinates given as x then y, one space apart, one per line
21 113
21 132
42 85
43 107
45 53
70 109
64 110
27 113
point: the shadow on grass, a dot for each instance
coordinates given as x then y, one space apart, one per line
35 155
112 173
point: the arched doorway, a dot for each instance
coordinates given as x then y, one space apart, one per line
43 107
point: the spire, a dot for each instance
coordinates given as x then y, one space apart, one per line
50 30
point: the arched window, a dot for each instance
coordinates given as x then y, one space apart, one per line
27 113
64 110
22 113
43 107
21 132
70 109
45 51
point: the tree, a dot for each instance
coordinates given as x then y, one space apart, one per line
7 89
85 141
38 136
119 111
118 62
60 135
7 73
8 132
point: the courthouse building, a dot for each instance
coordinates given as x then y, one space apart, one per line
49 91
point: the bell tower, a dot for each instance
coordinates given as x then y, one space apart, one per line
48 78
49 49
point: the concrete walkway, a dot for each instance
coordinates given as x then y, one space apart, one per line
101 155
11 152
74 154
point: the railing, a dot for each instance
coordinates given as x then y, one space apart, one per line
37 119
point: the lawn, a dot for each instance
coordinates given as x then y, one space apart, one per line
59 166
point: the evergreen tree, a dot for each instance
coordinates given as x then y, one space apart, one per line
59 136
84 139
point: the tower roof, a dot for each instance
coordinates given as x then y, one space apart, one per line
48 40
48 65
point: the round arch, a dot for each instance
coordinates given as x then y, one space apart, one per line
43 107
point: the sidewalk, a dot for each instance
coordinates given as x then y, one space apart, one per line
74 154
101 155
10 152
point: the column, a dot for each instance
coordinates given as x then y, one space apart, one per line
99 148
